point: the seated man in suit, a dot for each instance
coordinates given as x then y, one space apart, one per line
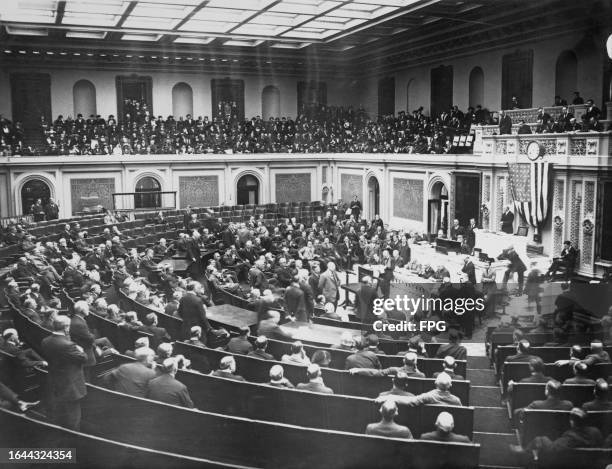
580 375
456 230
315 381
567 260
133 377
240 344
165 388
440 395
277 378
227 369
536 370
261 344
25 356
597 355
297 356
387 426
444 430
195 336
363 358
579 435
448 367
453 348
602 397
553 400
159 333
522 356
400 386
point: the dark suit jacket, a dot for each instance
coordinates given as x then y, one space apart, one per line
315 387
458 352
131 378
470 270
65 377
295 304
166 389
81 335
365 303
239 345
551 404
191 310
257 279
159 335
505 125
506 222
515 261
260 354
362 359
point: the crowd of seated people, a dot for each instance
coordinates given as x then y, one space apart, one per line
152 375
565 121
578 436
317 129
282 277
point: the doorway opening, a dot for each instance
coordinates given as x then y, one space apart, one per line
248 190
148 193
438 209
373 198
33 190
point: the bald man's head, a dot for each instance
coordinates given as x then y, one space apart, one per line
445 422
388 410
444 382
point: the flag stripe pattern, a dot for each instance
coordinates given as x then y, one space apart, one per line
529 185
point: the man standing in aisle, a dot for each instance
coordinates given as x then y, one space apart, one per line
65 378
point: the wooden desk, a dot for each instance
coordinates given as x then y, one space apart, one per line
232 316
179 265
316 333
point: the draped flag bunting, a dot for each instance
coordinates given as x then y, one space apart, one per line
529 184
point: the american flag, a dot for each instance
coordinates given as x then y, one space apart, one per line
529 183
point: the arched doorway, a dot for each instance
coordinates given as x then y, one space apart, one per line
31 191
476 85
247 190
84 98
270 102
147 193
373 198
566 75
182 100
438 208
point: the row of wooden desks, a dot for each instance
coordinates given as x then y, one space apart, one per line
235 317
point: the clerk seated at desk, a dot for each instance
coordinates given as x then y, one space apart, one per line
567 260
456 230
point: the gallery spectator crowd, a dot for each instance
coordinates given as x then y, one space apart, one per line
317 129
